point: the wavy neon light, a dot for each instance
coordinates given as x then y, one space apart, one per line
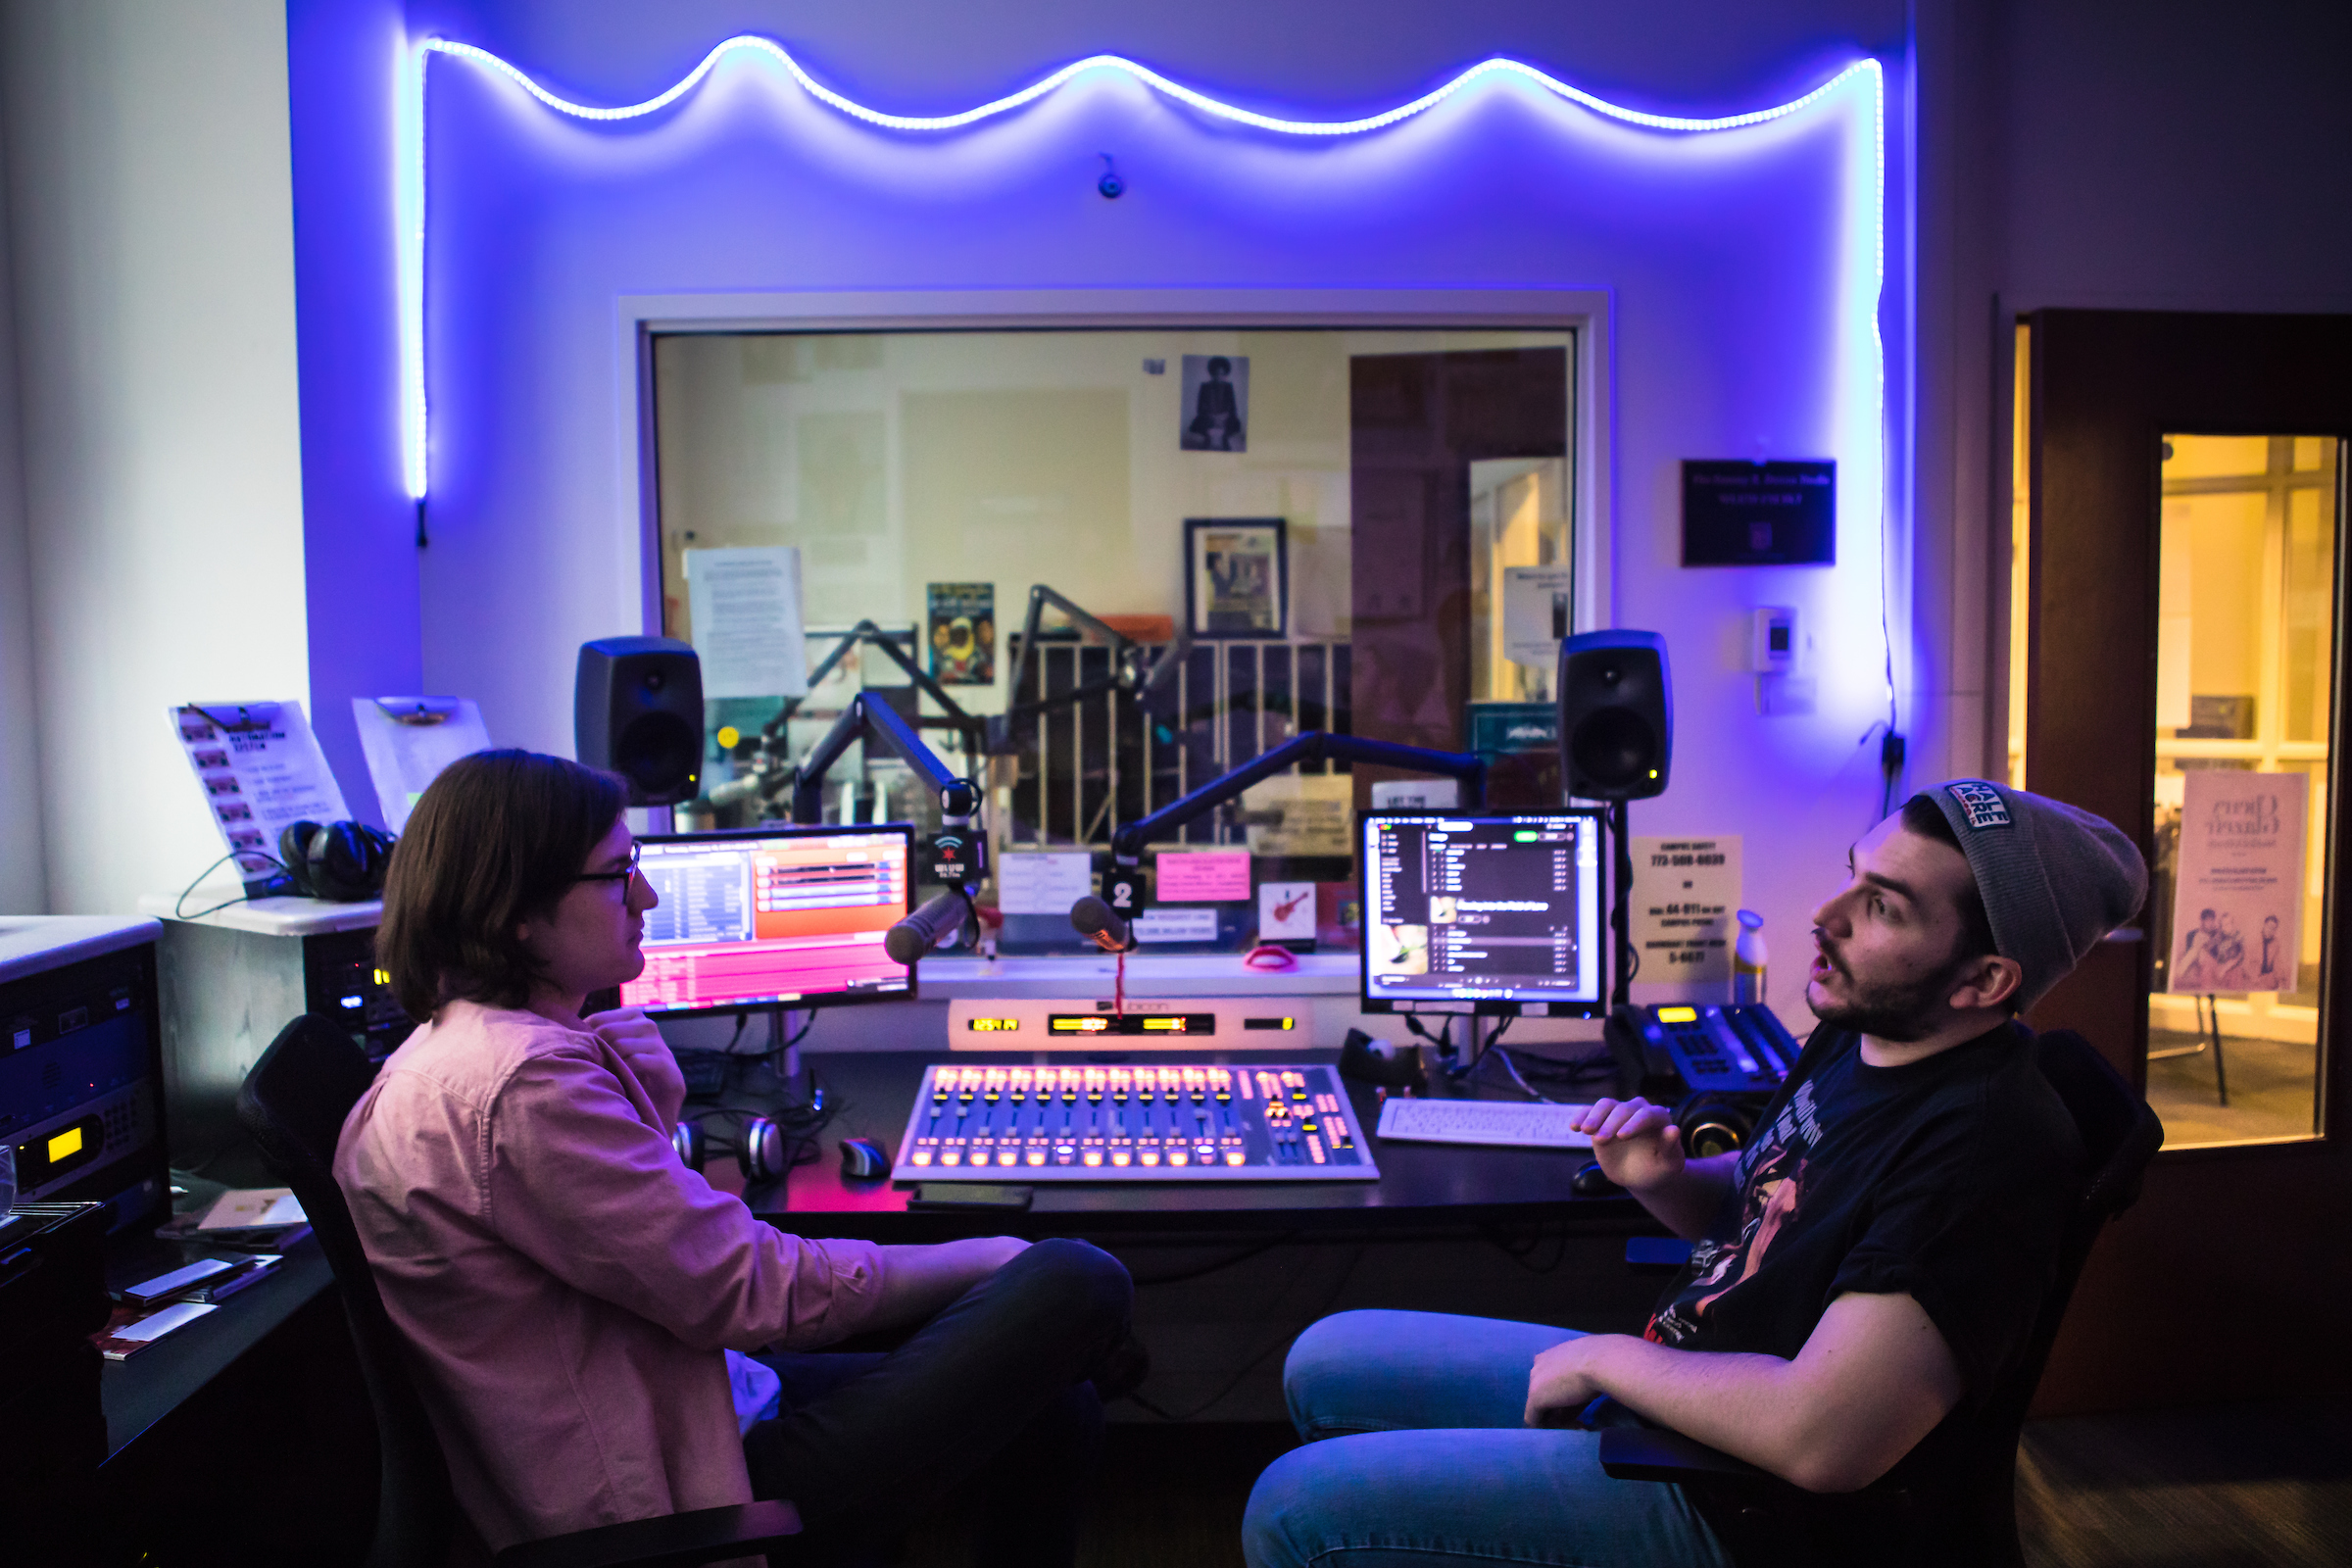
408 191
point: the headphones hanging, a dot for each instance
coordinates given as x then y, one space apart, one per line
343 863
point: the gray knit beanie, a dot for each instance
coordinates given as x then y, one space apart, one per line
2055 879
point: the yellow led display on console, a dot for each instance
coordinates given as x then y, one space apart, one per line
992 1026
65 1145
1678 1015
1079 1026
1174 1024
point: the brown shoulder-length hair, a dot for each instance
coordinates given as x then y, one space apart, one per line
497 838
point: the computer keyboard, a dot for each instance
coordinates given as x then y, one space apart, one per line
1500 1123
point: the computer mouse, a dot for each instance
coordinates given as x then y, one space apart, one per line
863 1158
1594 1182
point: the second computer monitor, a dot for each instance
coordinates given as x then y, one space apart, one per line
772 917
1501 912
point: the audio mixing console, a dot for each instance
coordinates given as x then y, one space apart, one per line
1138 1123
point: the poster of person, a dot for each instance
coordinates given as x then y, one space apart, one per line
1217 403
964 633
1236 578
2237 903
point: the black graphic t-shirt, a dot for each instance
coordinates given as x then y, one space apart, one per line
1949 1181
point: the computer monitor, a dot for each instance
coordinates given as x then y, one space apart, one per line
1484 913
772 917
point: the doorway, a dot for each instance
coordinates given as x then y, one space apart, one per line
2179 593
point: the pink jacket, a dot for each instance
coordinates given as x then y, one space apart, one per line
567 1286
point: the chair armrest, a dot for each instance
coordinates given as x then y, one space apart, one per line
671 1540
1649 1453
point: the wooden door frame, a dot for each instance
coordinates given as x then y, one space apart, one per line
2197 1294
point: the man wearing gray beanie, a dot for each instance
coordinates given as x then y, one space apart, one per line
1863 1274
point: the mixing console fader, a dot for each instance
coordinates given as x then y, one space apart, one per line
1135 1124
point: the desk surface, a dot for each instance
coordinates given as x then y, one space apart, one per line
1423 1188
140 1392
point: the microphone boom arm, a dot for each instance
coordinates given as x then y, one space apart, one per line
1127 844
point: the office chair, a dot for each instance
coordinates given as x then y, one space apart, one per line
293 1103
1765 1521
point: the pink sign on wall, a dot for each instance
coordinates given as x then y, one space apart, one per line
2239 900
1203 876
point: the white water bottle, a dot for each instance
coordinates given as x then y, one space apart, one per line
1747 958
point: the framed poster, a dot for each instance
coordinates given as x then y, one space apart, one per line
1217 403
964 633
1236 578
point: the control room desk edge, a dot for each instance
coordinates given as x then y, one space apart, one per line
1424 1188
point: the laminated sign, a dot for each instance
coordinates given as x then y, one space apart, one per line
2239 898
1686 897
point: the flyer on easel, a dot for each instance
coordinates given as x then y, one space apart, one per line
260 771
2237 901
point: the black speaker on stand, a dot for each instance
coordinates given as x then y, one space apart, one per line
637 710
1616 745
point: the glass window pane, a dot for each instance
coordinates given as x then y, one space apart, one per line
928 480
2245 690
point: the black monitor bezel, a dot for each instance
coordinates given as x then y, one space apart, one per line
1480 1008
903 831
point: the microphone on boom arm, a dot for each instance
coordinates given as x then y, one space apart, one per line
927 926
1091 918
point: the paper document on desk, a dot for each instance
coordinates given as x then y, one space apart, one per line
132 1329
254 1209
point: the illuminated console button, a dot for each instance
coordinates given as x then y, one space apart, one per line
1234 1157
1149 1157
954 1156
1037 1157
1176 1156
1118 1157
922 1156
1007 1157
1093 1156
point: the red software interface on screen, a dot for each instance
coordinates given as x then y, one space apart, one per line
768 917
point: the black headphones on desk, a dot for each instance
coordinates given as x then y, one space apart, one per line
759 1149
342 862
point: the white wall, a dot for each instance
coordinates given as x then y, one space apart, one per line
151 222
24 873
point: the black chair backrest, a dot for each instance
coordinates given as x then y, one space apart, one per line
293 1103
2120 1135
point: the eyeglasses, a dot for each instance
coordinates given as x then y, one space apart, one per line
621 876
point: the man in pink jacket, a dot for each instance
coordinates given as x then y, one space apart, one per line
569 1289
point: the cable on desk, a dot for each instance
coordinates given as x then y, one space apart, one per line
179 904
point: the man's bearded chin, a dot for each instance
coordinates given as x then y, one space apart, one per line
1897 1012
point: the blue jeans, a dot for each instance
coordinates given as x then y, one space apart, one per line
1430 1461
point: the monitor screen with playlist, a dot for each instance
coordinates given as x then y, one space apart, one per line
772 917
1501 912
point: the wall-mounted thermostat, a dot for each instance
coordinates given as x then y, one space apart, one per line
1773 648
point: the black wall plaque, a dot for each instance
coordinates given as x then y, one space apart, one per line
1759 514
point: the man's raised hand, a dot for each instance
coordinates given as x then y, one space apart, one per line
1636 1142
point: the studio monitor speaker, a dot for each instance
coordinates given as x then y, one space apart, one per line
1616 716
637 709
